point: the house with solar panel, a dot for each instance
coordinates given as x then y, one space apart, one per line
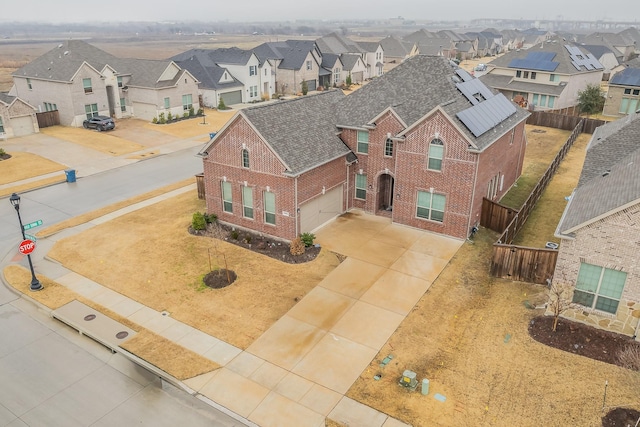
548 76
600 232
421 145
623 96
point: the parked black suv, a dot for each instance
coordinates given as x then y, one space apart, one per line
100 123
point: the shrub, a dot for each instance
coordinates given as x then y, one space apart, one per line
169 116
2 152
200 112
297 247
191 111
198 221
185 114
275 96
247 239
349 81
305 87
221 105
210 218
155 120
235 234
161 119
630 357
265 96
307 239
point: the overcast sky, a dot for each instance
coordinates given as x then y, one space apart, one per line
58 11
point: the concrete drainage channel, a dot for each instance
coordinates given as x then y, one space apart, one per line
112 334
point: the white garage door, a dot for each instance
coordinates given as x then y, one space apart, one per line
232 98
323 208
144 111
22 126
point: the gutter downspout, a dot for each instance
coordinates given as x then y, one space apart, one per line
295 198
347 192
473 194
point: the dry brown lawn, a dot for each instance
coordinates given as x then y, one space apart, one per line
24 165
149 256
32 185
100 141
468 336
174 359
213 119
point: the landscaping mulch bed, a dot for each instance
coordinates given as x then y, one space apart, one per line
621 417
255 242
5 156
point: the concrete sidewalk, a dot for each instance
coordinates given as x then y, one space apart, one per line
298 371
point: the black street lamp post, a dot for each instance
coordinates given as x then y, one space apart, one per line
35 283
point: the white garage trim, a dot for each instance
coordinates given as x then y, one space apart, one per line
322 209
22 126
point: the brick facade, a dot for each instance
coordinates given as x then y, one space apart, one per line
611 242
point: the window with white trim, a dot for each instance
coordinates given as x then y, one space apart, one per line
363 142
430 206
336 75
1 126
388 147
436 154
253 70
227 197
167 103
245 158
309 65
628 106
187 102
247 202
361 186
598 287
29 84
269 207
123 105
119 78
86 84
91 110
253 91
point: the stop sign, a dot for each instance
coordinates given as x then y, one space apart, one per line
27 246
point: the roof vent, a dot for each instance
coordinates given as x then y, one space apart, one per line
66 52
60 46
606 173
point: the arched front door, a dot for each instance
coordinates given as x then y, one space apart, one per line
385 192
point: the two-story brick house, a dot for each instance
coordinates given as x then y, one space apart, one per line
600 232
422 144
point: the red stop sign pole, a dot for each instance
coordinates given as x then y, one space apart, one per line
27 246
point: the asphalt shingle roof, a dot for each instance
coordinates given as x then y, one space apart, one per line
413 89
394 47
292 53
302 131
610 176
509 83
6 98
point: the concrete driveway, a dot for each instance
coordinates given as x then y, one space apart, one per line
298 371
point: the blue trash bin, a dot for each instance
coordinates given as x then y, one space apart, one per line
71 175
212 134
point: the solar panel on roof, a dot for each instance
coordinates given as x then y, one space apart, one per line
541 56
539 61
463 74
580 59
486 115
472 88
627 77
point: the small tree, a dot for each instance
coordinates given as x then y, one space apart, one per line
559 300
221 105
305 87
349 81
591 99
169 116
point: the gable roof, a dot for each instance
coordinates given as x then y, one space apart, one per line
555 48
291 53
337 44
301 147
5 98
394 47
349 60
208 76
626 77
412 90
610 178
597 50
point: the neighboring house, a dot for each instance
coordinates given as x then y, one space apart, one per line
600 231
17 118
604 55
548 76
232 74
353 66
621 46
371 53
534 36
331 70
422 144
81 81
432 44
396 51
293 62
512 39
623 96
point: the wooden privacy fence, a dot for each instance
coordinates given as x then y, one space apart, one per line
200 185
523 264
515 262
563 121
495 216
48 118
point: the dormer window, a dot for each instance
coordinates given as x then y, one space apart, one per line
245 158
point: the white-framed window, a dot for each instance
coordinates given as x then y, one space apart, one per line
91 110
86 84
598 287
533 75
29 84
388 147
48 106
361 186
253 70
554 78
309 65
253 91
167 103
363 142
269 207
628 105
245 158
187 102
430 206
518 73
247 202
119 78
123 105
1 126
436 154
336 75
227 197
